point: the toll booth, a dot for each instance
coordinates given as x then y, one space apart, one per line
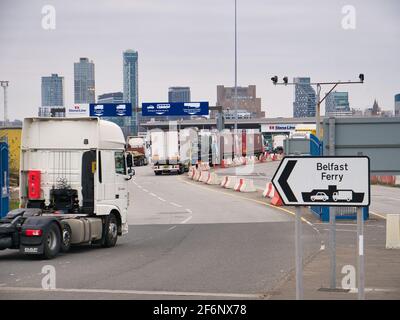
342 213
4 179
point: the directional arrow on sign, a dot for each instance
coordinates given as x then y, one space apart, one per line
329 181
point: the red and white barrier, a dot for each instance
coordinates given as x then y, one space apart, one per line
230 184
224 181
196 175
245 185
204 176
270 192
213 179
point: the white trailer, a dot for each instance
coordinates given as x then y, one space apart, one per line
74 176
165 152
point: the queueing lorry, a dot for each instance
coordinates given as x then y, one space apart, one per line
74 176
166 153
137 147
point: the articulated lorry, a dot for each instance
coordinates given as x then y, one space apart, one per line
166 152
137 147
73 186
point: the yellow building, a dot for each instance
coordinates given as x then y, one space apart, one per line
13 137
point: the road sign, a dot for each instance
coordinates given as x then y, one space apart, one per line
174 108
326 181
110 109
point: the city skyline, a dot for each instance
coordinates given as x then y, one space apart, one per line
371 48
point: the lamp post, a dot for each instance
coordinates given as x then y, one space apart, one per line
4 84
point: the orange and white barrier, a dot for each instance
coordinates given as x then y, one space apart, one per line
224 181
196 175
270 192
245 185
213 179
204 176
230 184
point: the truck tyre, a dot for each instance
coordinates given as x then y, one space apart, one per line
157 173
66 234
52 241
110 232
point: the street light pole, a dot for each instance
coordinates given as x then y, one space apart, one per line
235 98
4 84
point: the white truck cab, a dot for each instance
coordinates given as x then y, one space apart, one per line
74 176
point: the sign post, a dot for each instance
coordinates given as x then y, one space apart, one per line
360 255
325 181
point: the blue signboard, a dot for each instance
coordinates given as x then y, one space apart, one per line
174 108
110 109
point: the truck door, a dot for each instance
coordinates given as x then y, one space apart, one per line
88 171
121 185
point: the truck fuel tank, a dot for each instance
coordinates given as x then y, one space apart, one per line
85 230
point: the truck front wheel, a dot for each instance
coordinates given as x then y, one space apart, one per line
52 241
111 231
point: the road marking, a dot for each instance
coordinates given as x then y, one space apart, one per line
175 204
161 199
344 230
385 197
188 211
171 228
186 220
139 292
145 190
253 200
378 215
153 194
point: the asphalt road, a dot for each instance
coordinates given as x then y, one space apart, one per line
185 240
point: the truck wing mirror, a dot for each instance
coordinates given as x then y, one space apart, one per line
131 173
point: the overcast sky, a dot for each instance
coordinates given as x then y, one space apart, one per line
191 43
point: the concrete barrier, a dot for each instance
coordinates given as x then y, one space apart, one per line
245 185
213 179
196 175
270 192
204 176
224 181
393 231
230 184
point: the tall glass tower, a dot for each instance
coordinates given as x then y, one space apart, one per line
130 73
84 85
304 104
53 91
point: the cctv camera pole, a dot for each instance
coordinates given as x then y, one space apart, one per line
319 100
332 211
4 84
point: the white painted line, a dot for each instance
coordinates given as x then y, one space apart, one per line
153 194
138 292
171 228
377 214
345 230
175 204
186 220
188 211
360 245
161 199
145 190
